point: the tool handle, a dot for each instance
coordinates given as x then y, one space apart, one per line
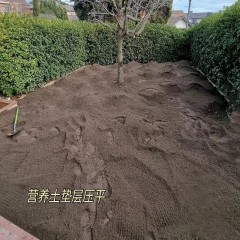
16 119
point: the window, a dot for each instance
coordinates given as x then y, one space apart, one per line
5 9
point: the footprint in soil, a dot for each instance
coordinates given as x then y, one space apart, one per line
24 137
195 128
121 119
152 94
108 132
10 164
150 236
117 99
172 89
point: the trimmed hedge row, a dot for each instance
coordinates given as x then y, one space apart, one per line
158 42
215 50
34 51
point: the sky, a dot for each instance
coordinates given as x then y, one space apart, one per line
197 5
202 5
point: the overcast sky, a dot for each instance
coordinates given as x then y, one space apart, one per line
202 5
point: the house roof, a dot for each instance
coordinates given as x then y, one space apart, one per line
178 13
175 19
69 8
199 15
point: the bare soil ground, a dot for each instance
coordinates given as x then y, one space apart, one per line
160 145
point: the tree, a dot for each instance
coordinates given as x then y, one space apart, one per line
53 7
84 8
163 14
124 13
49 7
36 8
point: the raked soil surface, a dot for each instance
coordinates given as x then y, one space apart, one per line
160 145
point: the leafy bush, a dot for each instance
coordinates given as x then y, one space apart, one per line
215 49
100 44
34 51
158 42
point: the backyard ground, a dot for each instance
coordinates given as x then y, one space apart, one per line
160 145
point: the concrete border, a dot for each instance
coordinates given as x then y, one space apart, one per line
9 231
52 82
10 104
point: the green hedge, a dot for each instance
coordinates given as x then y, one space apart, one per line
34 51
215 50
158 42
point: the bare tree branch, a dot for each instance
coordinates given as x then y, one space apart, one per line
123 12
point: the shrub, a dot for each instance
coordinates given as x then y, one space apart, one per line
215 50
158 42
34 51
100 44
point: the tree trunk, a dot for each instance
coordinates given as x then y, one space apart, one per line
120 56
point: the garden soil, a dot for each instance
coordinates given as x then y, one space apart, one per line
160 145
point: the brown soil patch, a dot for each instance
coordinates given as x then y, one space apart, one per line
169 163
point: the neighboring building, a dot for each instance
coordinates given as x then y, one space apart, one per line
195 18
178 13
70 12
178 19
5 7
18 6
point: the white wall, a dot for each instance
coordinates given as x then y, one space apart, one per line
181 24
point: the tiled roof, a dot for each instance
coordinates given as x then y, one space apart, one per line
200 15
178 13
173 20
